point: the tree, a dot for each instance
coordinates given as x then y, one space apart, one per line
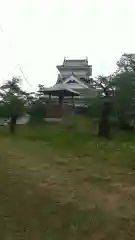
124 83
126 62
120 89
124 99
94 106
40 93
104 86
104 123
12 98
37 109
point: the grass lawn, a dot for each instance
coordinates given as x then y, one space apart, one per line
61 182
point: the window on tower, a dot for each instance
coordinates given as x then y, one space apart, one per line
71 81
82 79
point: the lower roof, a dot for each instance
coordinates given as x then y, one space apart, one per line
60 90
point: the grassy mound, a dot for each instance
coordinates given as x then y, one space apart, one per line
58 181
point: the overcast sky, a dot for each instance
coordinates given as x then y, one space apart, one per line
41 32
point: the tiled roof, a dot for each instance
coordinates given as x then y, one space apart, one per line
75 62
59 87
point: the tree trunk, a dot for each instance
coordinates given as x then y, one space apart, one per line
12 125
104 122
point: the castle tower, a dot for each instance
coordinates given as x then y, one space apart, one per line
78 68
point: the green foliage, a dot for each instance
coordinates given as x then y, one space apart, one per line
3 111
126 62
120 86
94 107
15 106
104 85
12 98
124 99
15 102
37 111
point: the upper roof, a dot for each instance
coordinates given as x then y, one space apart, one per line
75 62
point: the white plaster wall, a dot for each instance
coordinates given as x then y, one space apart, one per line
78 72
75 63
